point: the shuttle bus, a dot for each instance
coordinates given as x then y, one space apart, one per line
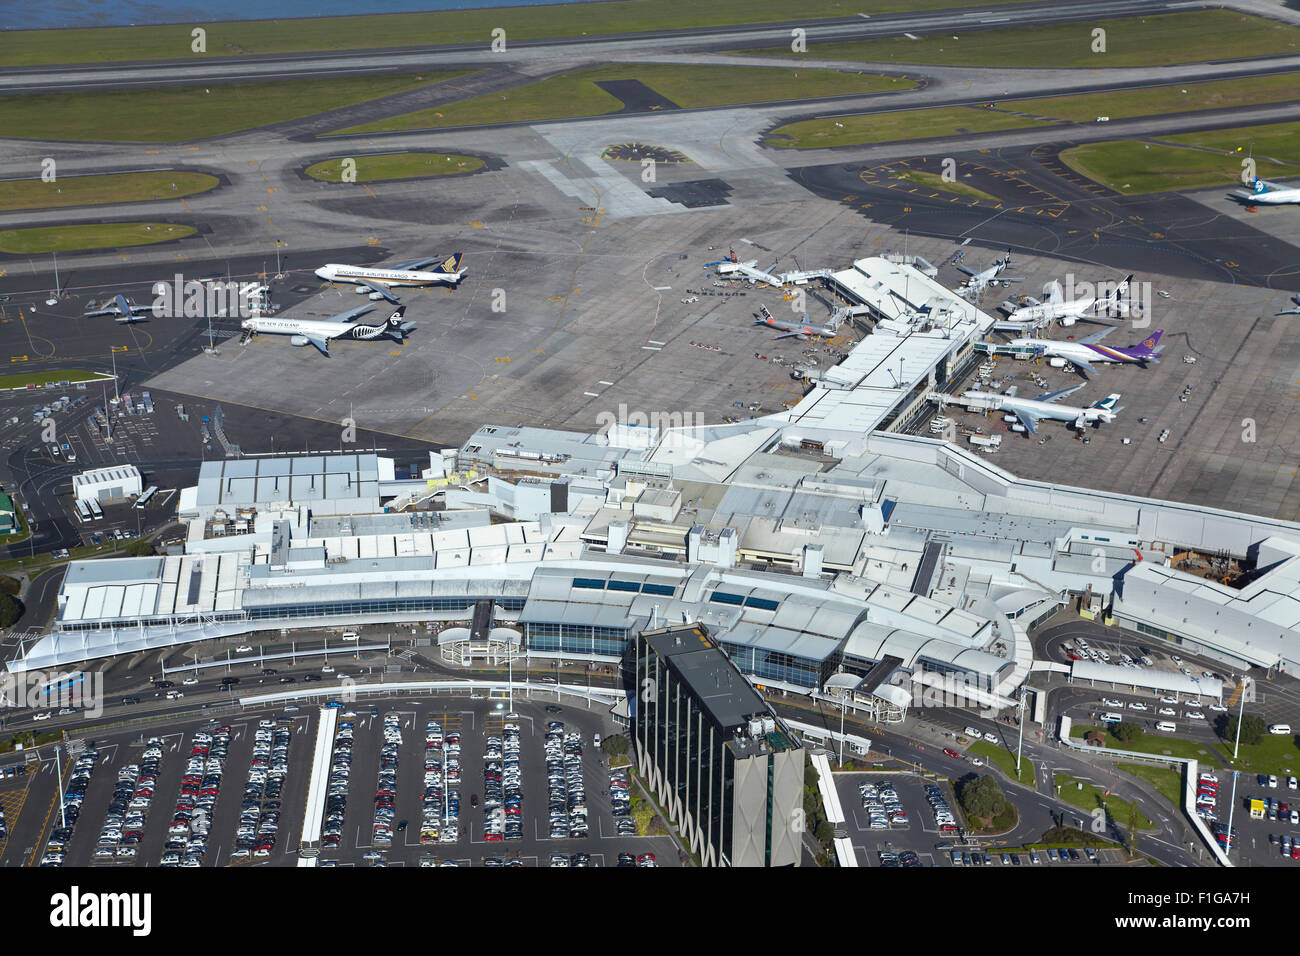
144 498
83 513
96 511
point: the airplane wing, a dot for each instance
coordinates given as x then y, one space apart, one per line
1053 396
414 264
96 312
1085 367
319 342
1295 311
966 269
1029 421
381 290
1096 336
349 315
791 335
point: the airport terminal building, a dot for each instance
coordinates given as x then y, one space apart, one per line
810 543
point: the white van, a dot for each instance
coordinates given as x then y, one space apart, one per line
1111 718
350 635
1279 728
1168 726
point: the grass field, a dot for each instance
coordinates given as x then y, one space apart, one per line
935 181
109 235
97 190
992 753
177 113
30 47
23 379
1276 754
1277 142
1160 744
899 125
1158 40
575 94
1168 782
1088 797
373 169
1162 100
1132 167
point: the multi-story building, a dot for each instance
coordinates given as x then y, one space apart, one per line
727 771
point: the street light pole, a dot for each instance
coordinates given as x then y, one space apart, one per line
1232 806
841 732
1241 713
1020 744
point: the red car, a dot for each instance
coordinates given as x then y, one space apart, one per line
951 753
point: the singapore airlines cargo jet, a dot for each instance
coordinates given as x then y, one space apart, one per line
377 282
318 332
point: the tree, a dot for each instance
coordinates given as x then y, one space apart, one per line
1127 732
615 746
981 797
139 547
11 609
1252 729
824 832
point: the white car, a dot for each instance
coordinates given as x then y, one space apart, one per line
991 738
1168 712
977 762
972 732
1194 715
1169 700
43 715
1176 659
1112 702
1136 705
242 649
1290 783
1218 708
190 681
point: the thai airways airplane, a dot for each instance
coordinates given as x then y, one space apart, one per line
1264 193
377 282
1030 410
122 309
1088 350
318 332
791 329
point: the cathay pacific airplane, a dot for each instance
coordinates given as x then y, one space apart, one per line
318 332
377 282
1030 410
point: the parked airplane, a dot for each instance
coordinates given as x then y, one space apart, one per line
979 281
1296 310
1263 193
1087 350
1029 411
791 329
747 270
318 332
1067 312
377 282
122 308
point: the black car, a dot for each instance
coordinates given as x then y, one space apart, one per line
552 709
131 700
164 683
287 679
268 671
230 680
312 677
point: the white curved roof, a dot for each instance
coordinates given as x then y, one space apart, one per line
1148 677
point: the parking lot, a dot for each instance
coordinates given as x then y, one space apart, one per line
892 821
439 782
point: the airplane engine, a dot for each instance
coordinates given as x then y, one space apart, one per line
375 297
1068 320
298 340
362 290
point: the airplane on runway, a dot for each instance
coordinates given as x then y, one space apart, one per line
1295 311
122 308
377 282
1087 350
1066 312
318 332
790 329
1029 411
991 276
1264 193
